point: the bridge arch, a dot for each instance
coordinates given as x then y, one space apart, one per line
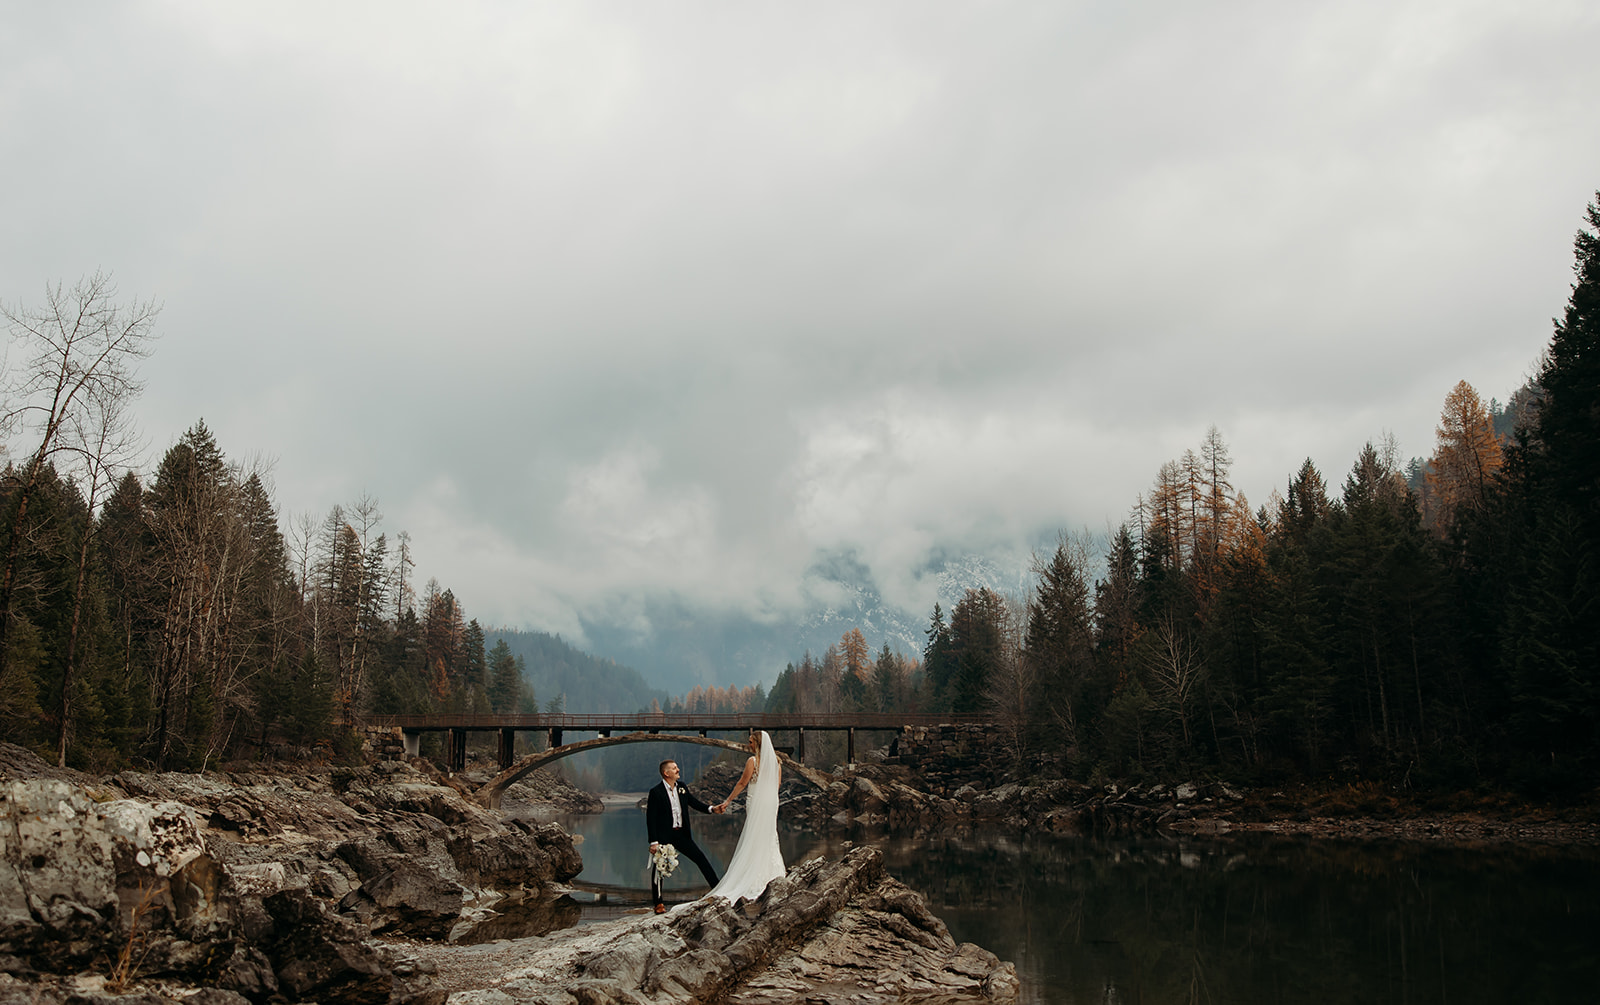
491 792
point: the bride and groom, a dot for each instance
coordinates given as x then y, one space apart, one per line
756 860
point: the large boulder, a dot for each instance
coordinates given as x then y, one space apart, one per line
75 872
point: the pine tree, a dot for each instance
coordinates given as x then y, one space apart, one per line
505 682
888 677
1060 639
1568 427
939 662
311 718
977 638
1117 602
475 673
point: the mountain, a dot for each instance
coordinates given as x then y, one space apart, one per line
686 647
590 684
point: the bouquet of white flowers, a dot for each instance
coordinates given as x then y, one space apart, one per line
665 859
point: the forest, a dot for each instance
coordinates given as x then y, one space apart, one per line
1432 624
175 621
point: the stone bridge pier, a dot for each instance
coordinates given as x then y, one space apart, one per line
949 756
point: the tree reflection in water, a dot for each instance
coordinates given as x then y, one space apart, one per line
1245 919
1270 920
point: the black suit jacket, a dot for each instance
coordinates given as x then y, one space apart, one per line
658 814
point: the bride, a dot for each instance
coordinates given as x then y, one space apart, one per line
756 860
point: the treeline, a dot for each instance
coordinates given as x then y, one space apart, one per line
849 678
172 621
568 678
714 700
1434 624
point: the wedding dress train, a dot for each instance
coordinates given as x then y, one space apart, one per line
757 859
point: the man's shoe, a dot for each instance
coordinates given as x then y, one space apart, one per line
661 909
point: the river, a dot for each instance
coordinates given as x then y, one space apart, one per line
1247 920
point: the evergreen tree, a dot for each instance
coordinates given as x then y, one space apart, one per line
476 671
311 717
1568 427
977 638
1297 689
889 682
1060 637
505 681
782 696
939 662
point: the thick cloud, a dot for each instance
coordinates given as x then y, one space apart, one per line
609 303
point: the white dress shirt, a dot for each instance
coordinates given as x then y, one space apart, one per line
677 811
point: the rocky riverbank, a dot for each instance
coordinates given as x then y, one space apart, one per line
877 795
388 884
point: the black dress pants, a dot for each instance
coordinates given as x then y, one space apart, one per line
683 841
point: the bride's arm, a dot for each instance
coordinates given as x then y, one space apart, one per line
744 779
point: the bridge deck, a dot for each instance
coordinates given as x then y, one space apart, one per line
556 726
589 722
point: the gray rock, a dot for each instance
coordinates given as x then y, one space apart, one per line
866 797
809 937
229 879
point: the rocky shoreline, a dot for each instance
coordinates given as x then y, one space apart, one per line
388 884
875 795
391 883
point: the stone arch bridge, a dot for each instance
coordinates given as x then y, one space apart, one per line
644 727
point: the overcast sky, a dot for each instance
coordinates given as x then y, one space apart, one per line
611 301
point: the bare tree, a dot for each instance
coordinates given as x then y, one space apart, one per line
81 347
1013 682
103 440
1176 669
404 595
367 600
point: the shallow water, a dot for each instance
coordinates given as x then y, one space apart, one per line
1239 920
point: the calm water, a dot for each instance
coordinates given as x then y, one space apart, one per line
1238 921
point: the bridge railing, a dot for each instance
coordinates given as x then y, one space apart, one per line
580 722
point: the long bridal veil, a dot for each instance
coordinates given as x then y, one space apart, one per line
756 860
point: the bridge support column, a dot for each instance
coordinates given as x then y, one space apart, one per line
800 745
456 751
508 747
413 742
555 737
850 746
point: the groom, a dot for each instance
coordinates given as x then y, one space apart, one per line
667 820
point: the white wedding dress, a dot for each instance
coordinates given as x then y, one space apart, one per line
757 859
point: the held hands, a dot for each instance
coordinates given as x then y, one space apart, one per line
721 807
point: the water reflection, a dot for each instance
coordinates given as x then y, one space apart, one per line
1224 920
518 917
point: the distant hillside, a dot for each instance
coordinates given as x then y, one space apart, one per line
553 668
686 648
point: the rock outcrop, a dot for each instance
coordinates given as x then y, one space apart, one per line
259 884
387 885
839 931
